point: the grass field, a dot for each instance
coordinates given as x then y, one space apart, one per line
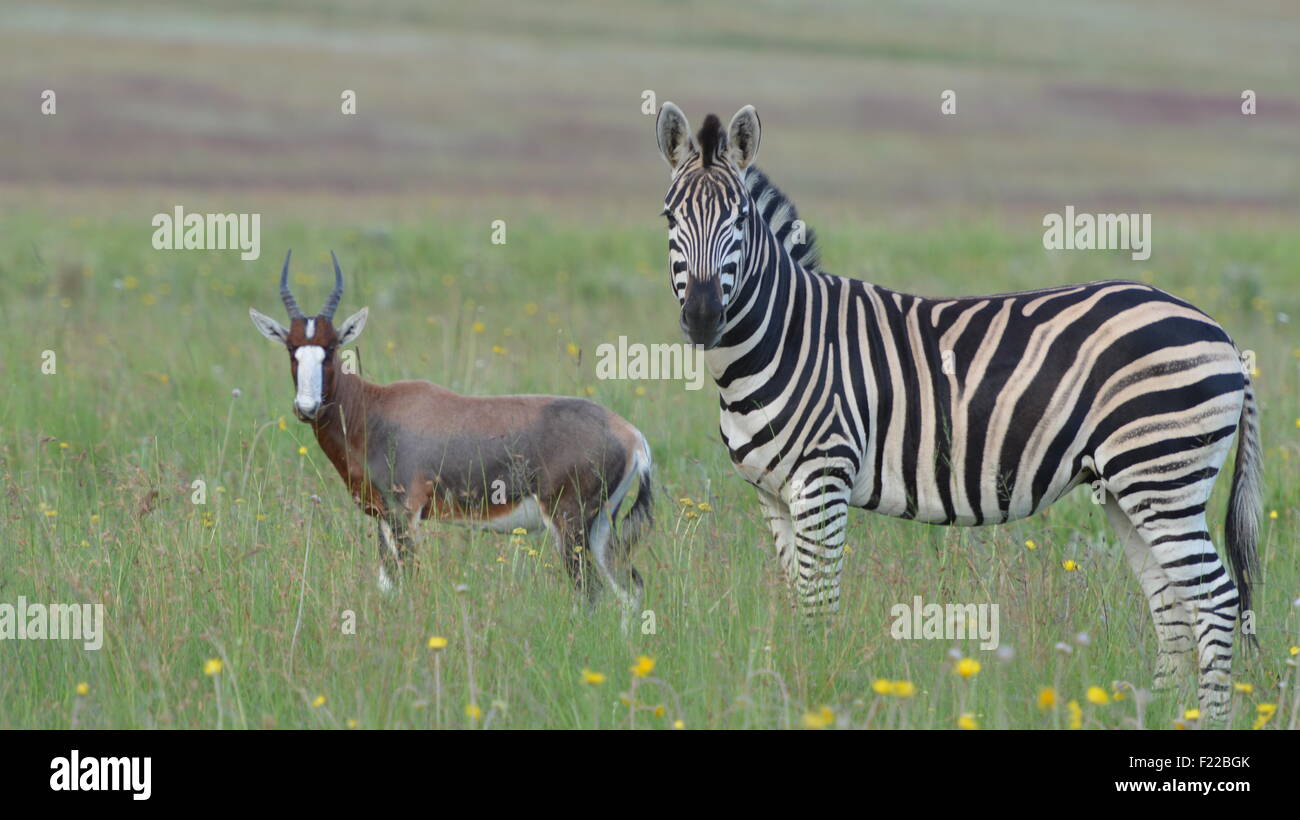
469 111
98 460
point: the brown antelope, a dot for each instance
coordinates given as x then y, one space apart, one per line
412 450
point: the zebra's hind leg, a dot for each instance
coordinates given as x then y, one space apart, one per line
1173 621
819 515
1182 548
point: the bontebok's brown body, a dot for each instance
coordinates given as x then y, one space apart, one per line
412 450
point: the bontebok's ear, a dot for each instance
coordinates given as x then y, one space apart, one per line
351 327
742 137
269 327
674 134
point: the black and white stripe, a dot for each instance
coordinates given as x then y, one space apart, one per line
837 393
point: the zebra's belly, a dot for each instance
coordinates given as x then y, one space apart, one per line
930 507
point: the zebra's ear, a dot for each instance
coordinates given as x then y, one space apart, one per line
742 137
674 134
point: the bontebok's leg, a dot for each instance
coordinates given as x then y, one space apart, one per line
620 577
819 515
1173 620
396 548
389 566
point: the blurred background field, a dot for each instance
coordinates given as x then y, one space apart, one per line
535 107
530 113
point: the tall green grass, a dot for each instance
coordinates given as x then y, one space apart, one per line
264 576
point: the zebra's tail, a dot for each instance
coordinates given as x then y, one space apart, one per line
640 517
1242 525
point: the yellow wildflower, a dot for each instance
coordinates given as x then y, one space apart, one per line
1076 714
1263 714
903 689
1046 698
820 719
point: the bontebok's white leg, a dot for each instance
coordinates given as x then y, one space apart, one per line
389 567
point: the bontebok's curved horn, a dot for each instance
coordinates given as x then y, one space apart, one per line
285 295
333 303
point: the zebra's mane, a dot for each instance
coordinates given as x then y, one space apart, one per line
779 212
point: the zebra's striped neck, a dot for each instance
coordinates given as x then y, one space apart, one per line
782 218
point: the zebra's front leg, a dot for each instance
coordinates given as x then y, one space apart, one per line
819 514
777 514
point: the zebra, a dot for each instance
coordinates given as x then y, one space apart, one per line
836 393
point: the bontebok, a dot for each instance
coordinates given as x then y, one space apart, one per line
838 393
412 450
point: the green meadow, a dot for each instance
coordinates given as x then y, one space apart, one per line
270 574
258 608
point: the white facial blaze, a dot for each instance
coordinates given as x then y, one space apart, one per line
309 359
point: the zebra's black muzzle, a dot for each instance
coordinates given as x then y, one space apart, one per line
702 314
